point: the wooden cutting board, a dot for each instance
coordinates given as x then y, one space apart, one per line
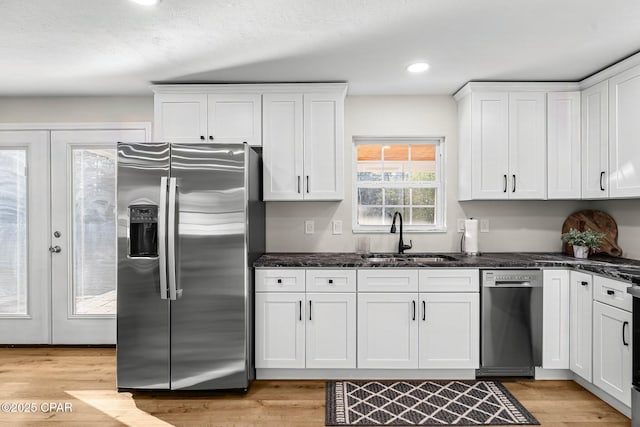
598 221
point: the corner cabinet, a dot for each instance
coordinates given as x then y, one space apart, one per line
595 141
208 117
303 140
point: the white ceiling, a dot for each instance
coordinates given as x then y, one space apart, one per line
84 47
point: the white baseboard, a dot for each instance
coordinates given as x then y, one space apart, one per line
619 406
365 374
553 374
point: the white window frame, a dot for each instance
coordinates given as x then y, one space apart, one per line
439 184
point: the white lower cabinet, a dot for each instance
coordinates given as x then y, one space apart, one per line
429 329
295 330
555 319
449 332
580 308
388 330
612 351
279 330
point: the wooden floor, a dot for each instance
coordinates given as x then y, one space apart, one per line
45 379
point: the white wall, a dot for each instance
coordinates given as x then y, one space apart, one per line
514 226
76 109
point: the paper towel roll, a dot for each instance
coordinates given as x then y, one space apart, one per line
470 236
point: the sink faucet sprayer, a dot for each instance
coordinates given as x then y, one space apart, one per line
401 245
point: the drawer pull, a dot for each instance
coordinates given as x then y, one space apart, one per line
279 280
331 281
610 292
624 325
583 283
300 308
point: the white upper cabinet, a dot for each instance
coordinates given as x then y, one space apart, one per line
527 145
563 145
503 144
595 141
624 133
303 146
199 117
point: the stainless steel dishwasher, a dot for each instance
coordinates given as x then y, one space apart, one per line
511 331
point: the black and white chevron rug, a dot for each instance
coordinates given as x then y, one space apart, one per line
423 403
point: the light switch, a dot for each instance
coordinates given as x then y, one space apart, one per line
337 226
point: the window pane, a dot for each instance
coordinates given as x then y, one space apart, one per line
369 171
370 196
396 196
369 152
396 152
13 232
423 152
388 215
369 216
423 216
422 171
395 172
94 231
424 196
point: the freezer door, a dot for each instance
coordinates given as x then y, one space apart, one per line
143 316
209 315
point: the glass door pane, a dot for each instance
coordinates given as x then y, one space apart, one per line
94 231
13 232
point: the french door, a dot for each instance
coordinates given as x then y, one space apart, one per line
57 214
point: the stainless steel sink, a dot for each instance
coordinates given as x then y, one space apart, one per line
408 258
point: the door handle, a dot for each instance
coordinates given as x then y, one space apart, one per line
162 238
624 325
601 176
307 183
298 184
424 311
514 184
414 309
309 309
300 308
55 249
505 184
171 249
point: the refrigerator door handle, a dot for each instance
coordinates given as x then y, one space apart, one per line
162 237
171 247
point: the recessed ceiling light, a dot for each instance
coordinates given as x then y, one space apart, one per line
418 67
146 2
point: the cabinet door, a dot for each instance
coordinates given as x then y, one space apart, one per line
563 145
580 307
527 145
595 141
235 118
449 330
323 146
612 351
490 145
388 330
624 133
180 117
555 319
331 330
282 142
279 330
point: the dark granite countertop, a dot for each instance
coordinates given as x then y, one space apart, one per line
614 267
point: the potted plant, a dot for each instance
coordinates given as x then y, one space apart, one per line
582 241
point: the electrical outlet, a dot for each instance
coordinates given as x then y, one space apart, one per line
460 225
484 225
337 226
309 227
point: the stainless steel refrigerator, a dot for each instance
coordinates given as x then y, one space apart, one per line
190 224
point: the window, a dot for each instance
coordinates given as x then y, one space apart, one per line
398 174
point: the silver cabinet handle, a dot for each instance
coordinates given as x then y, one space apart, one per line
171 247
55 249
162 237
298 184
601 176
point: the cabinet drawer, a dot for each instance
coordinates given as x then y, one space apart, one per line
445 280
387 280
331 280
612 292
279 280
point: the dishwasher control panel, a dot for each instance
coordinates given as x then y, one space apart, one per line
511 278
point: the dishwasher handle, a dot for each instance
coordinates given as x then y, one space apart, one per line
512 284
